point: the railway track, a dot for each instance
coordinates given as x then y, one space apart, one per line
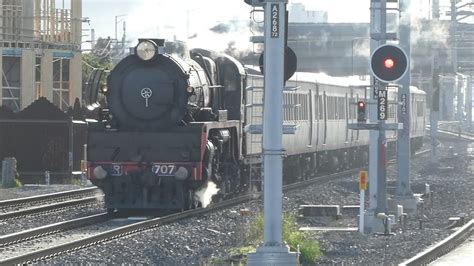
453 133
27 235
15 208
153 222
443 247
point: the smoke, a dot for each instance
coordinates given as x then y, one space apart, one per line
221 28
205 193
210 24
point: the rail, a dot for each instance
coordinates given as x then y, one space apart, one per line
14 238
442 248
58 195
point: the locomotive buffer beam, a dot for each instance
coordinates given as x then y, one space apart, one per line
375 126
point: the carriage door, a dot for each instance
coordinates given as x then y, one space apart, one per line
351 112
316 111
345 110
310 117
325 126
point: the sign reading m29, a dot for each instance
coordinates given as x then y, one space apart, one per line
382 104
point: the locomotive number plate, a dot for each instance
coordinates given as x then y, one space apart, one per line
117 170
164 169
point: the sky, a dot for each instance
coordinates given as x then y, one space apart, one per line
180 18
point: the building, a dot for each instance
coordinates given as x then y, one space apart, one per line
40 42
299 14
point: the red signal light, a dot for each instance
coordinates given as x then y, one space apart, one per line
388 63
361 116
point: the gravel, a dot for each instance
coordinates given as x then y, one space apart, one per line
198 240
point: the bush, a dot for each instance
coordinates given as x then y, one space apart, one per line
18 183
309 249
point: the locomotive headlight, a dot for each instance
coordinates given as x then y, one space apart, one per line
190 89
99 172
146 50
182 173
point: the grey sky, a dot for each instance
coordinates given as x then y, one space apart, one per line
169 18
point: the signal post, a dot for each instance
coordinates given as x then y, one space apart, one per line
273 251
403 194
388 64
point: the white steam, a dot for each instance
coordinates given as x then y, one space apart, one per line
205 193
191 21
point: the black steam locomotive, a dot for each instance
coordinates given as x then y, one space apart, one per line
167 129
175 119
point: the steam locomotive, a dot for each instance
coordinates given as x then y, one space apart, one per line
175 119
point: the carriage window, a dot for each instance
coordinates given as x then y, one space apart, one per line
420 108
316 107
305 106
331 114
341 108
352 108
320 107
300 106
391 111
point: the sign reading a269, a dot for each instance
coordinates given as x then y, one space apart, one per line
382 105
275 32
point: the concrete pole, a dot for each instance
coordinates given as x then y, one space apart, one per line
435 107
47 75
435 93
454 53
469 102
403 193
435 9
273 251
1 75
459 97
76 22
28 86
75 78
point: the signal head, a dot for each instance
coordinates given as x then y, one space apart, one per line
389 63
361 116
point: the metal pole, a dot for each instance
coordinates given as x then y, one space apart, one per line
375 6
382 140
71 147
403 190
272 125
273 251
434 115
435 93
352 57
116 27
